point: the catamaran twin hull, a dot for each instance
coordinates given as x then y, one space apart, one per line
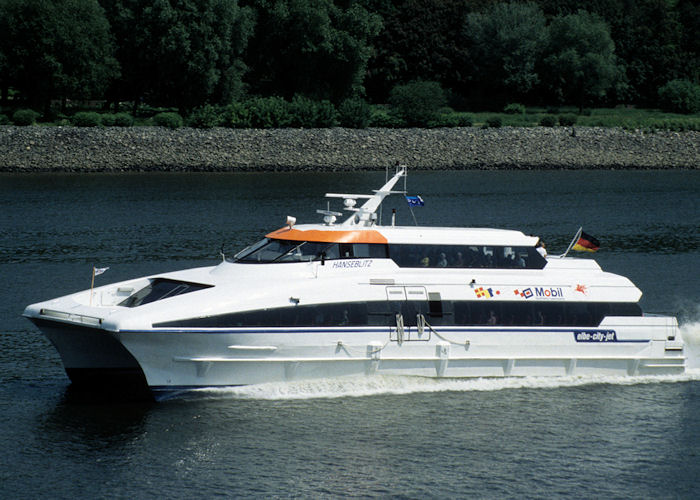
358 298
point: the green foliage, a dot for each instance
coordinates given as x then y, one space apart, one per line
580 64
180 53
236 115
206 116
514 109
318 48
4 120
567 120
548 121
380 117
420 40
354 113
464 120
307 113
680 96
417 103
56 49
269 112
123 120
493 122
25 117
168 119
86 119
106 120
506 41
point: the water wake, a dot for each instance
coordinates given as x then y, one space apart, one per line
690 332
384 385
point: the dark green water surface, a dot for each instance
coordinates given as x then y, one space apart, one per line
382 437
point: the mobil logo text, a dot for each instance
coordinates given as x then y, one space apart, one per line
549 293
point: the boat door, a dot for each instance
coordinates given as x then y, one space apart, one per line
408 305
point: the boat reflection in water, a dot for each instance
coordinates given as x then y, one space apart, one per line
355 297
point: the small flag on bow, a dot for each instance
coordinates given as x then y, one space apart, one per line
100 270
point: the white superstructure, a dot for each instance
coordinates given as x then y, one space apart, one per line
354 297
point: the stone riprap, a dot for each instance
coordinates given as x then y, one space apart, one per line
70 149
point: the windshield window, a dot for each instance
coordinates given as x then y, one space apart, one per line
267 251
284 251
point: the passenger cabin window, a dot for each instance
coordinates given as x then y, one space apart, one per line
466 256
404 255
436 313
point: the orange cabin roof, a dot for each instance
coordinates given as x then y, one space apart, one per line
320 236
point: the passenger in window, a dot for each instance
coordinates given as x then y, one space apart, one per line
459 260
442 261
541 248
425 262
492 318
539 319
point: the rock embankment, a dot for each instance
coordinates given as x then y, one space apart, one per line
69 149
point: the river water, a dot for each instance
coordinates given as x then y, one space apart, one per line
376 437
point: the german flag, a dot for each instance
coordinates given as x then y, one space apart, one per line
586 243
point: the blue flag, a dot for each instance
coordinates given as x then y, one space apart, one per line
414 201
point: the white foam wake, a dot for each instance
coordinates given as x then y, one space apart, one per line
381 385
343 387
690 332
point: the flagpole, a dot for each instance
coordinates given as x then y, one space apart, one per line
573 242
92 284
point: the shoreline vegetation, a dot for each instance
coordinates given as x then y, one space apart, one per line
138 149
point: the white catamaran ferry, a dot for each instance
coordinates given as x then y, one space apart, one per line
354 297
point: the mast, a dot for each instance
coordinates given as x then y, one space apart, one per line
365 215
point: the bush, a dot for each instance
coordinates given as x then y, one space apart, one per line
493 122
86 119
447 120
567 120
107 120
451 120
465 120
168 120
206 116
269 112
327 115
514 109
354 113
4 120
680 96
548 121
25 117
381 118
236 115
417 103
307 113
123 120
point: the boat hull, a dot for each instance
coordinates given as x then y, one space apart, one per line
94 358
173 359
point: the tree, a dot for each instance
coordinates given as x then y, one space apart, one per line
180 52
55 49
656 39
310 47
421 40
505 43
580 63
